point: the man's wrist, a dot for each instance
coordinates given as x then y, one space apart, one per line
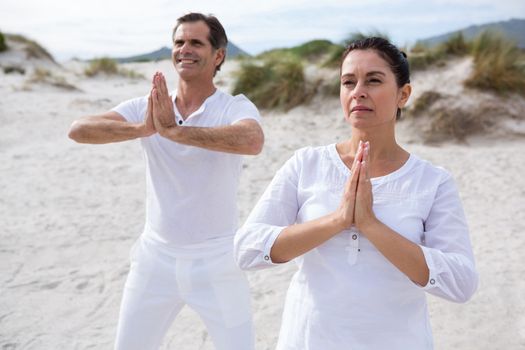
173 132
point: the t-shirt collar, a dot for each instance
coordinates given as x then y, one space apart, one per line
202 107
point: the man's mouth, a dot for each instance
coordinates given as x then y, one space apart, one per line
186 60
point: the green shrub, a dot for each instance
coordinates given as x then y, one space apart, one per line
424 102
455 122
421 56
311 50
274 84
335 54
455 45
498 64
360 35
14 69
276 54
333 59
3 45
250 77
102 65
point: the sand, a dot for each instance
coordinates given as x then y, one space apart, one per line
71 212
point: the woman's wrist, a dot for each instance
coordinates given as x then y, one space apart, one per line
368 225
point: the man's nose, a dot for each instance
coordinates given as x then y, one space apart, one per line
185 48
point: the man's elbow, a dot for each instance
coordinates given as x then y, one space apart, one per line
256 144
76 132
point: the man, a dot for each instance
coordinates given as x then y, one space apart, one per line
192 146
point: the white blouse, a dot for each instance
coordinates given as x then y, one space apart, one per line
346 294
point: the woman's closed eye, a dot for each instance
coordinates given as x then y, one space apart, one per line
347 82
374 81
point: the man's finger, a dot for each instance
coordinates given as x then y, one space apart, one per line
164 85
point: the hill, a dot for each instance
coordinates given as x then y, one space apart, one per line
20 51
513 29
165 53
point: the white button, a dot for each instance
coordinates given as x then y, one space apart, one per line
432 281
354 237
266 257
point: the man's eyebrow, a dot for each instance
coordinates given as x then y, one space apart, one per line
192 41
196 41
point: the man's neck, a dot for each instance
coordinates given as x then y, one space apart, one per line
191 95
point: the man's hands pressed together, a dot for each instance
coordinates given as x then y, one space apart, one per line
160 105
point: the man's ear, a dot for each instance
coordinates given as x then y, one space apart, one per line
220 55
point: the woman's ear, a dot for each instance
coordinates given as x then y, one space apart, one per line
406 90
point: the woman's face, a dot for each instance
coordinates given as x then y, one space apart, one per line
369 92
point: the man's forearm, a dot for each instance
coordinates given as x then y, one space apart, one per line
99 131
239 139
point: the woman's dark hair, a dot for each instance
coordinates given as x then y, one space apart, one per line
217 36
396 59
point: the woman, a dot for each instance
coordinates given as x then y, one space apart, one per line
370 226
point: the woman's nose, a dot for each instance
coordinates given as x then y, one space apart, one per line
359 91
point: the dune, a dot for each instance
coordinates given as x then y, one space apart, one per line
71 212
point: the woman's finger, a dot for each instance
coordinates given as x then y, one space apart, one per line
357 154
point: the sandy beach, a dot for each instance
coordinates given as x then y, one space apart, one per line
71 212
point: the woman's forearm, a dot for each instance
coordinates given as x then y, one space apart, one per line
404 254
295 240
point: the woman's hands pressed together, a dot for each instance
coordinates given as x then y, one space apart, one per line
356 205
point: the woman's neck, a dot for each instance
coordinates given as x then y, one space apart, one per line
386 155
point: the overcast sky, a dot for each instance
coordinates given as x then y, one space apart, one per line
94 28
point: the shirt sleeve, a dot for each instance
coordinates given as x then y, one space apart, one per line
276 210
447 248
132 110
242 108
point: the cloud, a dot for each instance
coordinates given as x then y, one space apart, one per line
120 27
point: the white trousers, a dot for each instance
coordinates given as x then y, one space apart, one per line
159 285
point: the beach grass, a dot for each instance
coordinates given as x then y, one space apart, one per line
334 56
32 48
3 45
422 56
499 65
102 65
311 50
455 122
273 83
109 66
455 45
45 76
424 102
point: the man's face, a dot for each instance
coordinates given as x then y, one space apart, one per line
192 53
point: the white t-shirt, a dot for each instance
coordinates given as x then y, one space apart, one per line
346 294
191 191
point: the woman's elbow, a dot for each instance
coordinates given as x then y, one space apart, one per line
470 290
238 255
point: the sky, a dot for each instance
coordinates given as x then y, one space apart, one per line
116 28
